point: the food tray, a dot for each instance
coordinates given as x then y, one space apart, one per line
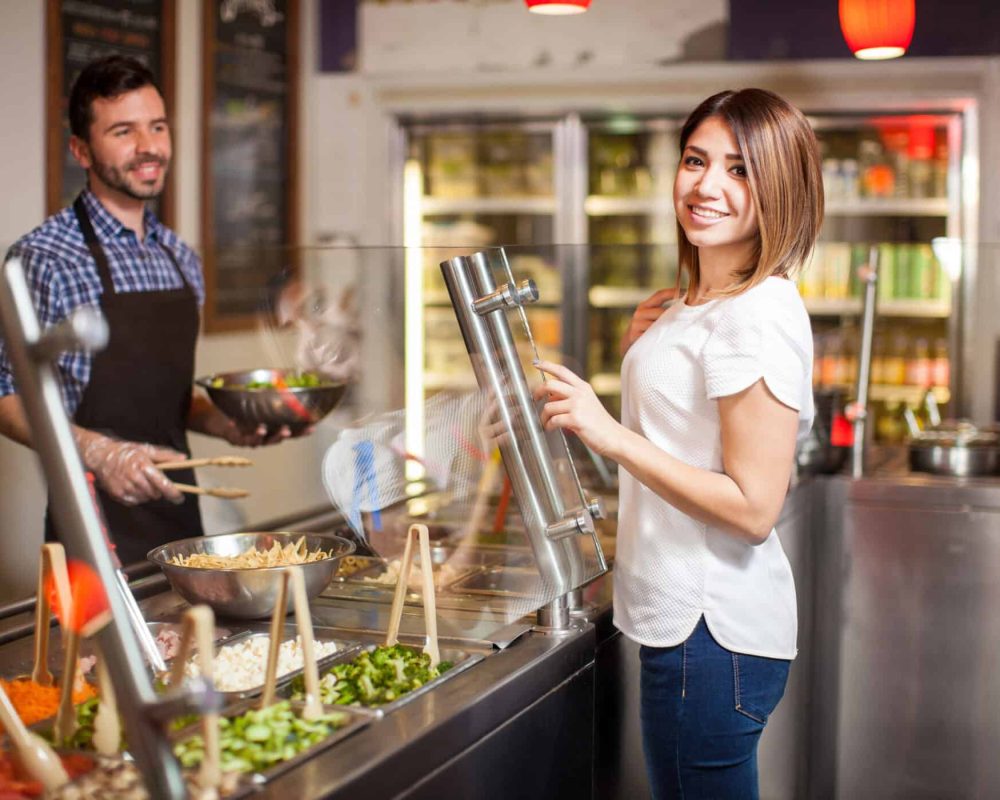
251 781
506 538
365 577
345 648
461 658
501 582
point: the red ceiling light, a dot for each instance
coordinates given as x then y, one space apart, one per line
877 29
557 6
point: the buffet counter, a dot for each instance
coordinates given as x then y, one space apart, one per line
519 722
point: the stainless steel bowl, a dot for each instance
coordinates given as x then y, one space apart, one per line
245 593
296 407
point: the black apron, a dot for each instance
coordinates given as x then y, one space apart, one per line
140 390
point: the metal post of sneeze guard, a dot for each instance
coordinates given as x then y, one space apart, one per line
859 411
30 353
480 307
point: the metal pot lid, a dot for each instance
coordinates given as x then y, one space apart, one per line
957 433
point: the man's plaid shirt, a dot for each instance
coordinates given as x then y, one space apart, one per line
62 275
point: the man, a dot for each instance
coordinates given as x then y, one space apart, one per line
132 403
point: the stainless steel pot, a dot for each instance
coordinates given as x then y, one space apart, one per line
958 449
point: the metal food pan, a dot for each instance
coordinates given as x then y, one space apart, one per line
490 556
252 781
352 565
462 659
366 577
345 647
501 582
506 538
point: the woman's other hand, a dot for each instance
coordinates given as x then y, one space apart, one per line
646 313
572 405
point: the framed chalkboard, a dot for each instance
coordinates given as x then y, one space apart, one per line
77 32
249 202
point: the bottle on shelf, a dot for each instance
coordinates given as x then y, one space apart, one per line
877 177
921 165
894 367
897 143
939 186
940 363
918 365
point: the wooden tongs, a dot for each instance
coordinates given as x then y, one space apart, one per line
303 622
219 461
416 531
199 624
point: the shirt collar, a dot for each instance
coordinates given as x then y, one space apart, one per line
108 226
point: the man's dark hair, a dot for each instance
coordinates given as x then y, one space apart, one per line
106 78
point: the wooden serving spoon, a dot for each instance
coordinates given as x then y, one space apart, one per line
197 627
201 621
51 569
303 622
107 726
274 645
38 758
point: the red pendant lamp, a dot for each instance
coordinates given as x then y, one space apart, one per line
877 29
554 7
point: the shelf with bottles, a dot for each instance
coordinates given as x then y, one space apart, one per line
908 359
609 206
889 207
449 206
606 384
891 164
491 161
631 159
912 283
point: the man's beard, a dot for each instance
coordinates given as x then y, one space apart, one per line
118 178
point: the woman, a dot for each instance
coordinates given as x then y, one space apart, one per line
716 390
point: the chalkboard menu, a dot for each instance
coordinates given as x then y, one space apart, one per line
79 31
249 203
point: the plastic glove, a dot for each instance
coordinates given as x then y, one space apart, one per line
127 470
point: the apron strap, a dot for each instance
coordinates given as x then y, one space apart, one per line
94 245
90 239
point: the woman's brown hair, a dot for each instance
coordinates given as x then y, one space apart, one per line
782 160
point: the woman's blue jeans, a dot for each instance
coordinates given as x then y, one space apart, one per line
703 710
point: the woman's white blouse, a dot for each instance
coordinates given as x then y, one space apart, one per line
669 568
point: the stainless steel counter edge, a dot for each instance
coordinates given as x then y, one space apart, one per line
396 752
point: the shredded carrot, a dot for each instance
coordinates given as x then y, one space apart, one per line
34 702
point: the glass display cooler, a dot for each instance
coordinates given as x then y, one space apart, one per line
893 181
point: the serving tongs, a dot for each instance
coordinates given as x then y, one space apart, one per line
419 532
197 630
229 493
303 623
35 754
217 461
